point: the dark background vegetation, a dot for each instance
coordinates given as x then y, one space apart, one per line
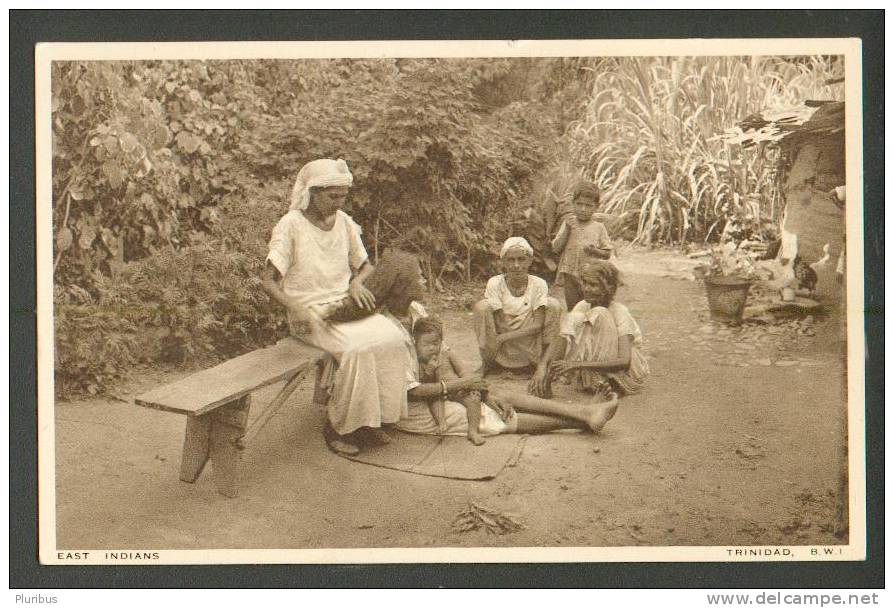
169 175
27 28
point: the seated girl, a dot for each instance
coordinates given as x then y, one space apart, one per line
516 320
600 341
433 409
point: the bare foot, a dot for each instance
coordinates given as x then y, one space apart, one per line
475 438
340 444
373 436
602 413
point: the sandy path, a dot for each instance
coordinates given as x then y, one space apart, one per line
710 454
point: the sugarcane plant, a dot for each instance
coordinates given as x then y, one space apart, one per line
650 138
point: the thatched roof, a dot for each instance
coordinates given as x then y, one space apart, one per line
789 127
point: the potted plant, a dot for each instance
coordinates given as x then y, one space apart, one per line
727 278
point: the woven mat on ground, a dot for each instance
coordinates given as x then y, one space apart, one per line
453 457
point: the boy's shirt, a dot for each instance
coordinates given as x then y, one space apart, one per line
576 236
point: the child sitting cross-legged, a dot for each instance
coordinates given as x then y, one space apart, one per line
517 319
600 340
433 408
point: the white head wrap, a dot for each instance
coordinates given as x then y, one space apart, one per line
516 241
321 173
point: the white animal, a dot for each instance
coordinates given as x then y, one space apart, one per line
823 260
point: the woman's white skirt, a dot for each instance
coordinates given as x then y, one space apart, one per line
369 386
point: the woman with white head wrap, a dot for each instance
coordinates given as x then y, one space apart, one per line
317 259
517 319
320 173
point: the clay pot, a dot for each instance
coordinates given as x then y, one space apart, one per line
726 298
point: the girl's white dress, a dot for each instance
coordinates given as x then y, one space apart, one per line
368 387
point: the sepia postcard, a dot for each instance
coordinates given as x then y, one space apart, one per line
450 301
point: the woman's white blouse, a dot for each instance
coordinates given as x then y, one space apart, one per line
316 265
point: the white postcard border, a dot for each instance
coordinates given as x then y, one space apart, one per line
851 48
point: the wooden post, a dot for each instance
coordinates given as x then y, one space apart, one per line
228 425
195 447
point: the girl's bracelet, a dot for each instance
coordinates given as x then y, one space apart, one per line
443 389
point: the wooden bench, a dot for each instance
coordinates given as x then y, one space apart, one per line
216 402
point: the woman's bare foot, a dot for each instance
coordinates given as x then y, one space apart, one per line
340 444
603 411
475 438
373 436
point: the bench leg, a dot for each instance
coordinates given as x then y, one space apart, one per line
196 444
228 425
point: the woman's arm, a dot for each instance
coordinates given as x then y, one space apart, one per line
540 381
619 363
362 296
270 278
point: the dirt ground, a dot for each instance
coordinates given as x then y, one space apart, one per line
737 440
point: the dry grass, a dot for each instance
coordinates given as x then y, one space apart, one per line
476 517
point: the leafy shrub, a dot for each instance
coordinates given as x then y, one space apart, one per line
434 169
95 342
169 175
200 304
142 155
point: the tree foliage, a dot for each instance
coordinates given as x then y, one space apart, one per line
433 166
168 176
142 156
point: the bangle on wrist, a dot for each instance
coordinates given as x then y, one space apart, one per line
443 389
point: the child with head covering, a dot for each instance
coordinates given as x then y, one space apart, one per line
599 345
579 230
516 319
